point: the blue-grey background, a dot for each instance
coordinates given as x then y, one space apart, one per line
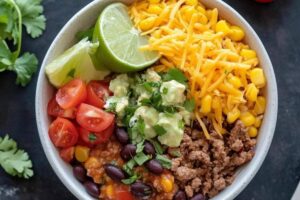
278 26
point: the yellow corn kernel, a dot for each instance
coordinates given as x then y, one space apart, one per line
223 26
235 81
154 9
257 77
201 10
147 23
233 115
252 132
109 191
206 104
257 122
251 92
82 153
167 183
154 1
191 2
236 33
247 118
248 54
260 105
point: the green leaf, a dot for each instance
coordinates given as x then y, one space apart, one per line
25 67
112 107
149 86
141 158
128 167
189 105
14 161
158 148
175 152
87 33
175 74
130 180
32 17
159 130
140 147
164 161
92 137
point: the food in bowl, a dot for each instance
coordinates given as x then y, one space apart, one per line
174 111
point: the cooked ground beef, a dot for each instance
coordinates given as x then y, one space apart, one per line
208 166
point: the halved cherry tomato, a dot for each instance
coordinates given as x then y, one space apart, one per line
67 154
71 94
97 92
55 110
123 195
93 118
92 138
63 133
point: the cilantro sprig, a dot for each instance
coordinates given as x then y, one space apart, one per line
14 161
13 15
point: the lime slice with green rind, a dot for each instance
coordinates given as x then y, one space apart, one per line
75 62
120 42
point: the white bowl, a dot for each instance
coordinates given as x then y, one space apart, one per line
85 18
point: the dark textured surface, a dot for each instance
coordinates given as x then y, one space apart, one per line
279 28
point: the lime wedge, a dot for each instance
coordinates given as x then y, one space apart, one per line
119 41
76 62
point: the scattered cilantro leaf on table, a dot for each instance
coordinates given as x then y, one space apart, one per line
14 161
13 15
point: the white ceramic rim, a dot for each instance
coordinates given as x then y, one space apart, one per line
244 176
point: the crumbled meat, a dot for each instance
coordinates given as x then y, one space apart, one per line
189 191
185 174
200 156
208 166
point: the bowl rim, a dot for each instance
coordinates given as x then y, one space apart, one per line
252 167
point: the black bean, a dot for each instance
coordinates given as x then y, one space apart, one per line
140 189
149 149
154 166
92 188
122 136
79 173
180 195
128 151
198 197
114 172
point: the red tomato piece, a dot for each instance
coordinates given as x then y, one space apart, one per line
93 119
97 92
71 94
67 154
63 133
123 195
55 110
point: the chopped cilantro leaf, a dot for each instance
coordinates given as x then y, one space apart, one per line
189 105
92 137
175 74
165 91
159 130
130 180
71 73
175 152
112 107
141 158
128 167
158 148
140 147
164 161
87 33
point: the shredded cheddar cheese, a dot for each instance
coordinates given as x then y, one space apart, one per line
210 51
